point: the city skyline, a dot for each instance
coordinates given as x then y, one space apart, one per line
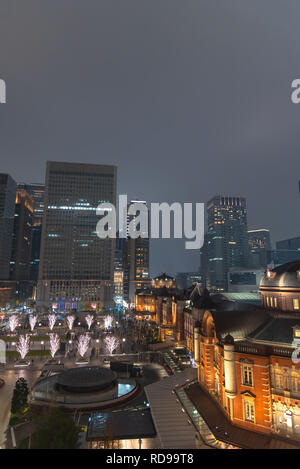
189 254
152 101
149 227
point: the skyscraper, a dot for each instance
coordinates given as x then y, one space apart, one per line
119 265
7 212
136 262
76 268
22 237
226 243
259 248
287 250
37 192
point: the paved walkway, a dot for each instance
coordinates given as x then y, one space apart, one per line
173 425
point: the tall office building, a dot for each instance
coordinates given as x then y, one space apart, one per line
7 212
259 248
136 262
22 237
76 267
226 243
287 250
119 266
37 192
292 244
187 279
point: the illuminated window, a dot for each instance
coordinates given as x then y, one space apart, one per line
296 303
298 274
297 333
247 375
275 302
249 410
267 301
271 302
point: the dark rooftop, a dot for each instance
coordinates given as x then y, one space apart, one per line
276 330
164 276
121 424
238 323
86 379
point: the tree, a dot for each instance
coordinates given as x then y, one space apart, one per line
19 400
111 343
56 430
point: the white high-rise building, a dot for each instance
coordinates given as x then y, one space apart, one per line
76 267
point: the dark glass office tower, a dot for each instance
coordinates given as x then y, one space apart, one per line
136 272
76 268
226 240
287 250
7 211
37 192
22 237
260 250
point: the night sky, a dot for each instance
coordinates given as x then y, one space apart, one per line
189 98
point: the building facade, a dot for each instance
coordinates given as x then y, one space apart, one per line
7 211
22 237
259 248
226 241
248 361
77 268
37 192
136 259
244 280
186 279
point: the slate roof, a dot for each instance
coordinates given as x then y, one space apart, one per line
202 299
276 330
164 276
239 324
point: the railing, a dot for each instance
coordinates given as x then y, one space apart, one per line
263 350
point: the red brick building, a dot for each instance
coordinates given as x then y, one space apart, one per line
248 361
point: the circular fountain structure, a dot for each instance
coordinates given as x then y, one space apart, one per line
88 387
88 379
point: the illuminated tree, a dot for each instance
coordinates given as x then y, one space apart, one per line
108 321
111 343
83 343
54 344
70 321
51 320
13 322
23 345
32 322
89 320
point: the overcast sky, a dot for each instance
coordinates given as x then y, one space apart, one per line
189 98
